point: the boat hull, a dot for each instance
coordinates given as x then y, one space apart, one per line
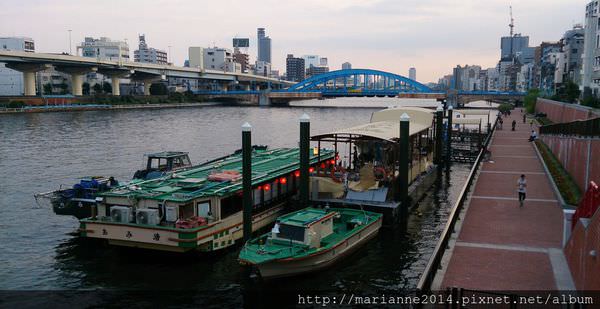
319 260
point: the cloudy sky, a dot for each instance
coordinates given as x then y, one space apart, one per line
391 35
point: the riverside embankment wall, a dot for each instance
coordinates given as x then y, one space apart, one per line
559 112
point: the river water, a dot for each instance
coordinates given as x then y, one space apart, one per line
42 251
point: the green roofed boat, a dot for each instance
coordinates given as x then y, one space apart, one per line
309 239
199 208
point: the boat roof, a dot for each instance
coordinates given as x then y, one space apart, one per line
385 124
303 217
166 154
193 183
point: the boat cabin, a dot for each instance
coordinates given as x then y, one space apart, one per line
366 168
307 227
161 162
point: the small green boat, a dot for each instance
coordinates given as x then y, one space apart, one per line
309 239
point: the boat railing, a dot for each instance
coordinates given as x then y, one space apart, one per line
434 264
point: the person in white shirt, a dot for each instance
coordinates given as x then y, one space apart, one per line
522 185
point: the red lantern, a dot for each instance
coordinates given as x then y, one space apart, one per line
333 162
322 165
267 187
259 188
297 173
311 169
283 180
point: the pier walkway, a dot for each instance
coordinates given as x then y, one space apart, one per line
499 245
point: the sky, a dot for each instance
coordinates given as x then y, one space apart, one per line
391 35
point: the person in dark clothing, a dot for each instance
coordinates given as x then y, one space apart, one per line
524 118
514 123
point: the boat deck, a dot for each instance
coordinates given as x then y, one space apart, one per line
264 249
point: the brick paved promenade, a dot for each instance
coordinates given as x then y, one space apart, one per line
501 246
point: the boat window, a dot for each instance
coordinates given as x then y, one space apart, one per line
203 209
291 232
274 189
186 211
268 193
231 205
284 185
257 194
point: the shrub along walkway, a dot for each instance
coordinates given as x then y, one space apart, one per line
501 246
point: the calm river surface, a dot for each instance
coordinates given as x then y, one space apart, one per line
42 251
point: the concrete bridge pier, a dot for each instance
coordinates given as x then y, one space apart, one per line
148 83
263 98
115 78
28 70
76 76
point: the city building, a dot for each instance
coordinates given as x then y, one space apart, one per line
412 73
264 46
546 67
242 59
104 49
262 68
323 61
346 66
511 46
572 47
316 70
590 74
11 81
311 60
147 54
196 57
221 59
294 68
466 78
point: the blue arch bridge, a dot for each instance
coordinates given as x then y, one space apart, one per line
361 83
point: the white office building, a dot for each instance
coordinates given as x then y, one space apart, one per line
262 68
11 81
346 66
311 60
412 73
148 54
196 57
104 49
220 59
590 68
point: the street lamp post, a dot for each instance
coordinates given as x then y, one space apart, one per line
70 43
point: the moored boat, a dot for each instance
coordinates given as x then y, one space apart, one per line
77 200
199 208
310 239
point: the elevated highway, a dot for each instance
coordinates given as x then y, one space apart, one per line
76 66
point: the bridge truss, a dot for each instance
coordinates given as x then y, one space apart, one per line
359 82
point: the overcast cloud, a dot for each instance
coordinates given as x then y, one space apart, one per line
391 35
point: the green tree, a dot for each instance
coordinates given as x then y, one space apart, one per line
97 88
159 89
48 88
591 101
107 87
530 100
85 88
568 93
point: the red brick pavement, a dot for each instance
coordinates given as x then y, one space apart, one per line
500 245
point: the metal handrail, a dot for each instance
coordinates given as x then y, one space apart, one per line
590 127
434 263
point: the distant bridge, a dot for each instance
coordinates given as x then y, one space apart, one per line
366 83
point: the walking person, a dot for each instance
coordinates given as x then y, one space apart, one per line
514 123
524 118
522 185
